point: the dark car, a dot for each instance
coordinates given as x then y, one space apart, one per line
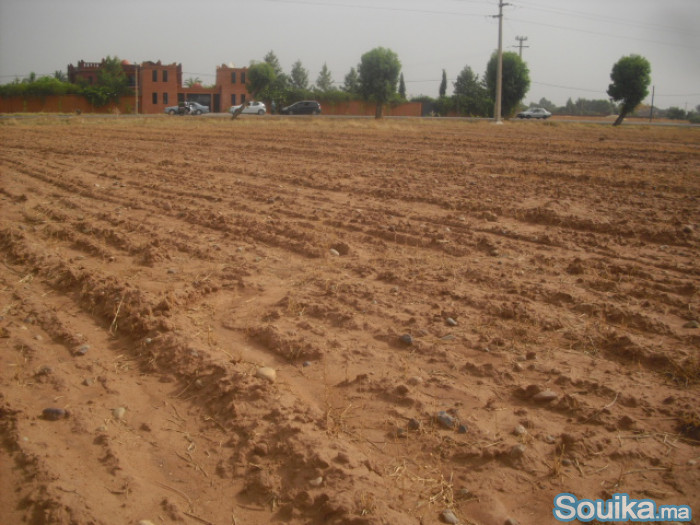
303 107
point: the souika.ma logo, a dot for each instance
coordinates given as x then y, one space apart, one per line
621 507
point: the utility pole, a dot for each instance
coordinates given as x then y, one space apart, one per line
499 69
520 45
651 111
136 90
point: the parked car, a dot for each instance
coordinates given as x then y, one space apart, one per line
303 107
254 108
535 113
187 108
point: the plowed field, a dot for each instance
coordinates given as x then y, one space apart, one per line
316 321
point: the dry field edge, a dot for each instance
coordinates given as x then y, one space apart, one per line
345 321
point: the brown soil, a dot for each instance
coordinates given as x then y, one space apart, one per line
546 273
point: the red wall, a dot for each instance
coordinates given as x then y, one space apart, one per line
73 103
61 104
358 107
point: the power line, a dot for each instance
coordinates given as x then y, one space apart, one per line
602 18
379 8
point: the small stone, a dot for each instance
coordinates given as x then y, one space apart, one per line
198 383
517 451
511 521
306 363
413 424
550 439
45 371
316 482
54 414
518 367
145 522
172 271
445 419
334 252
691 324
546 396
692 462
462 429
520 430
38 337
81 350
531 356
451 321
406 339
119 412
463 493
267 373
566 462
88 381
448 516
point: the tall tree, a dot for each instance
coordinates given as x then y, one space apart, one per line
515 80
193 81
352 82
470 96
631 76
443 84
271 58
378 75
324 82
300 76
402 87
60 75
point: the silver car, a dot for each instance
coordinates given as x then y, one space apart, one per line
253 108
187 108
535 113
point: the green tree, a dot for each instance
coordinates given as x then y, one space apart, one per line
631 76
60 75
402 87
324 82
191 82
443 84
676 113
515 80
546 104
300 76
470 96
272 59
260 76
352 82
378 76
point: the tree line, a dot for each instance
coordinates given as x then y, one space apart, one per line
378 78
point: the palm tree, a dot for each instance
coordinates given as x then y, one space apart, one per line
191 82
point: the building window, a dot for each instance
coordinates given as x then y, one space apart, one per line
155 98
165 98
243 99
233 100
242 77
233 77
165 75
155 75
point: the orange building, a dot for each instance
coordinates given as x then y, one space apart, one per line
158 85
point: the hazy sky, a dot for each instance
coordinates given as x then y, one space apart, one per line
573 44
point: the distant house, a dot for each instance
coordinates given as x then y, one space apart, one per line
160 85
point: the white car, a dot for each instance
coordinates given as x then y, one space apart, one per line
535 113
253 108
